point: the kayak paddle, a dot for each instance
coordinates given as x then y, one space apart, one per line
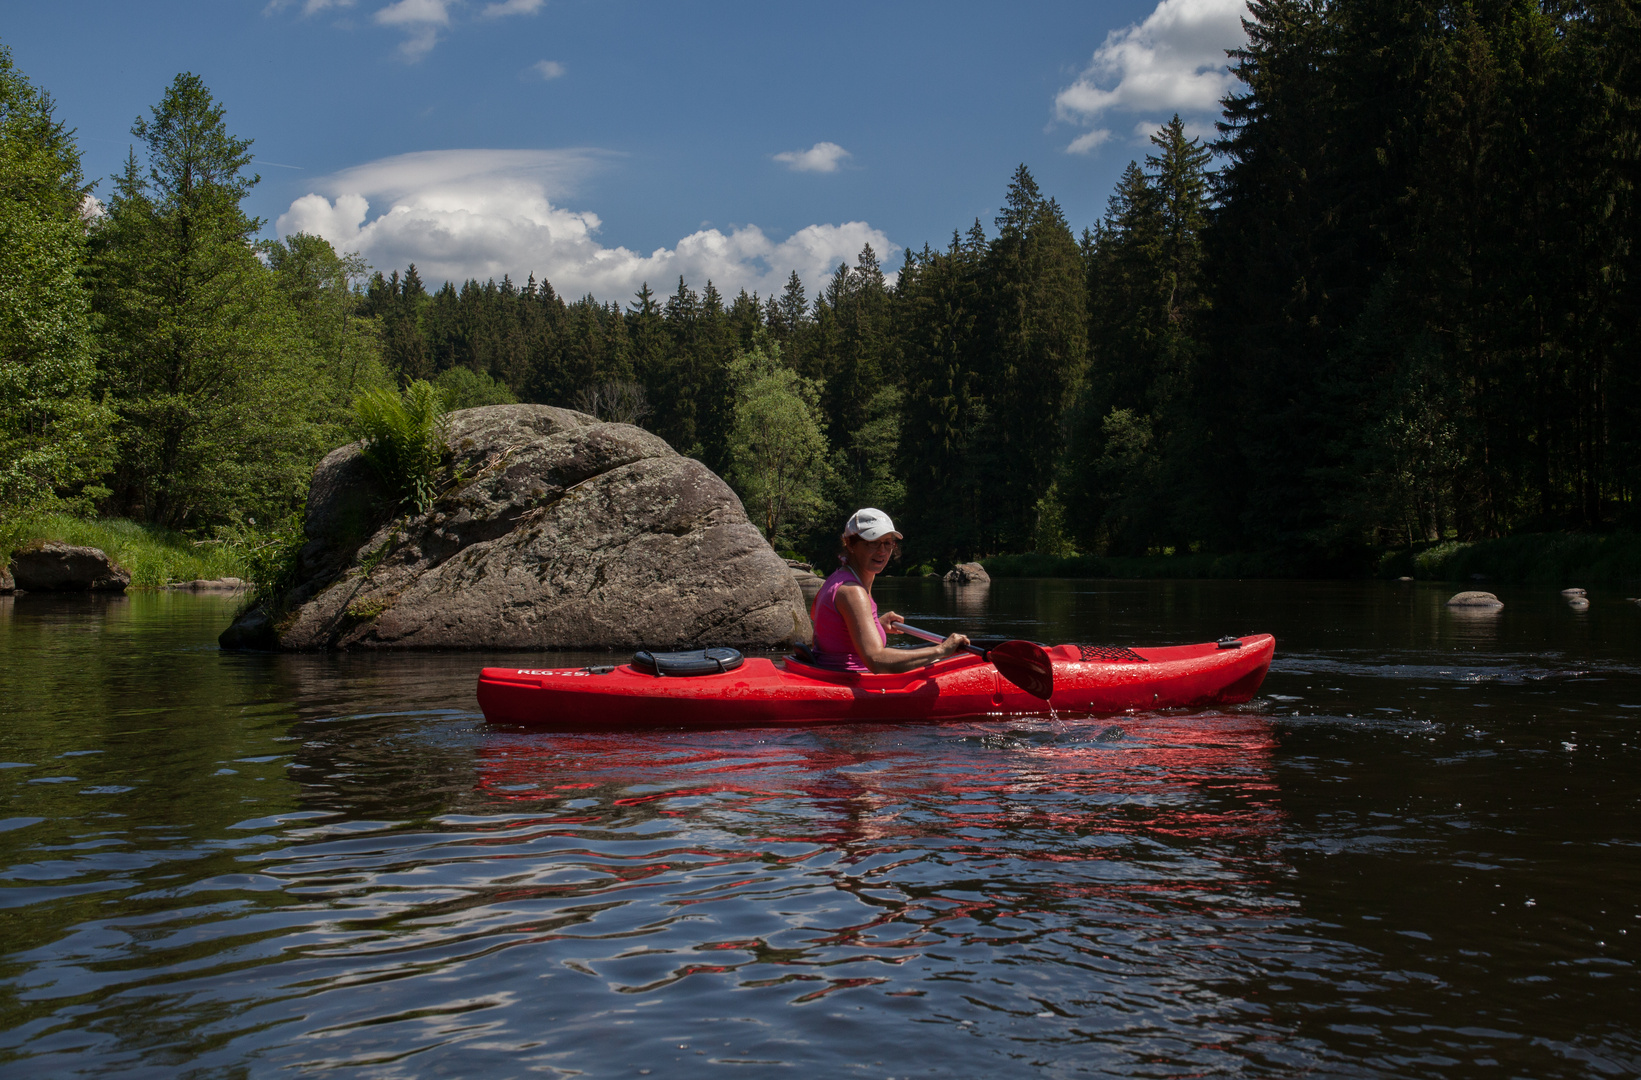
1023 663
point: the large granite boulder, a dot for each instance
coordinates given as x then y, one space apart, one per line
552 531
968 573
52 566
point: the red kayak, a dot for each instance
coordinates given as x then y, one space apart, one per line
1097 679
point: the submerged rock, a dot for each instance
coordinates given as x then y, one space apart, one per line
251 632
1475 600
553 531
50 566
968 573
808 581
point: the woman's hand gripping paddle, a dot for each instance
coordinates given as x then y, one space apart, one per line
1022 663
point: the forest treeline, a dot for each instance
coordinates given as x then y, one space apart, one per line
1392 302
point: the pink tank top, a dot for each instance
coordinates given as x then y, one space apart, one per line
833 646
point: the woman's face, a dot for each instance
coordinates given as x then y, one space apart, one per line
874 555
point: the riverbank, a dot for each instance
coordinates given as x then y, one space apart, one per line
1559 559
153 555
1137 568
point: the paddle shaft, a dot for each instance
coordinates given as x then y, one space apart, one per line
927 635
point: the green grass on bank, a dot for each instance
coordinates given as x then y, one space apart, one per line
1559 559
154 556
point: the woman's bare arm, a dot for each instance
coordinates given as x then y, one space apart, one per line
857 616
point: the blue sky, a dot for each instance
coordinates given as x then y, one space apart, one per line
599 143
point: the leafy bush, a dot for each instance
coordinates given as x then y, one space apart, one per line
776 446
464 388
404 436
268 557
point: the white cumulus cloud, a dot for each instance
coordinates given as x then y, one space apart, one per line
822 157
421 20
1089 140
460 214
547 69
1174 61
309 7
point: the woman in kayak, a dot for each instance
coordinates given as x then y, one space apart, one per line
850 635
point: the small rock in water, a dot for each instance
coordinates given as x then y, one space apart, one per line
1475 600
1404 577
1110 734
225 584
1572 592
1577 603
808 581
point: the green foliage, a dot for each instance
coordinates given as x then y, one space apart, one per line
1423 270
777 449
154 555
1050 537
404 438
325 295
865 469
1136 467
53 428
942 451
1556 560
1402 312
1035 333
271 558
464 388
222 399
1132 567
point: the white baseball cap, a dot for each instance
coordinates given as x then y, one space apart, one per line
870 524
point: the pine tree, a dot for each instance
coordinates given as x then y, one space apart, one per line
1036 333
941 451
216 389
790 311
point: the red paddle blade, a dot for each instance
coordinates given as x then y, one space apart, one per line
1025 665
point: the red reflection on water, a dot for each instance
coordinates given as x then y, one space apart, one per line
1017 834
1199 776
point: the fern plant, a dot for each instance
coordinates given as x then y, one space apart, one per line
404 440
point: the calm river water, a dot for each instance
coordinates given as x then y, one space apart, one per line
1416 854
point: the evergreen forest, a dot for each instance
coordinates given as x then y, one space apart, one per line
1392 302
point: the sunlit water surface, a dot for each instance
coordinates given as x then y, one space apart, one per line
1416 853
